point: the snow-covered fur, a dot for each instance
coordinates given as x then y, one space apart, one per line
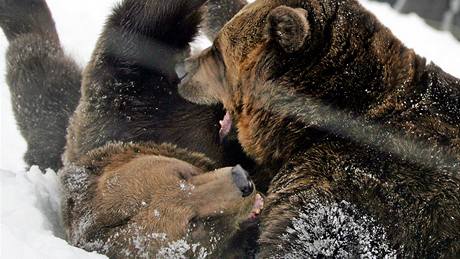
153 201
129 90
125 193
219 13
44 82
348 120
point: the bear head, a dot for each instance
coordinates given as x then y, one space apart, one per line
276 63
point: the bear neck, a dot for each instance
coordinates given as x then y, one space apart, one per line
272 138
276 123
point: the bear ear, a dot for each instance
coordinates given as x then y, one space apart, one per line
289 27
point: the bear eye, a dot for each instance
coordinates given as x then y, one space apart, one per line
185 174
216 53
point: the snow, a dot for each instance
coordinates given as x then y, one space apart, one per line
179 249
437 46
78 27
29 217
30 200
319 223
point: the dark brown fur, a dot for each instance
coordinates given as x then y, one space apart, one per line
43 81
350 121
126 194
128 96
128 86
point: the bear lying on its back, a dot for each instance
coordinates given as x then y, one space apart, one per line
363 134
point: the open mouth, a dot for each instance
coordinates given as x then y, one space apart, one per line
225 126
256 208
226 122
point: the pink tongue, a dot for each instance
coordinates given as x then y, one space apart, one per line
225 126
258 206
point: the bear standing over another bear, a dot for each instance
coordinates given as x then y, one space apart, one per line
362 135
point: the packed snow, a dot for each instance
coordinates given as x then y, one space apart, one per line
30 225
29 204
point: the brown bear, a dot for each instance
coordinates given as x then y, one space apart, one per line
127 193
361 135
156 201
45 87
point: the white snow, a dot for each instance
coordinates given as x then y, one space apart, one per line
29 201
319 223
78 27
30 217
437 46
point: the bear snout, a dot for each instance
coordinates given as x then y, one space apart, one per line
186 70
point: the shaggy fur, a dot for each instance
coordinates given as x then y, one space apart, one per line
44 83
129 89
45 87
125 194
361 134
152 201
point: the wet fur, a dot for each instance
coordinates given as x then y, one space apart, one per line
220 12
128 95
351 120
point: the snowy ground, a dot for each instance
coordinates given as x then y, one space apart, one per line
29 201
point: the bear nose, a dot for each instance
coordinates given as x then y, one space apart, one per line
242 180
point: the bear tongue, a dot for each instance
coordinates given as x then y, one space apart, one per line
257 207
225 126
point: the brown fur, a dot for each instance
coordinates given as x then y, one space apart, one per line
136 200
127 195
136 197
129 87
349 118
